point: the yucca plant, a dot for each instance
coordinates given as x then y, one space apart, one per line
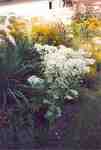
14 70
21 104
18 61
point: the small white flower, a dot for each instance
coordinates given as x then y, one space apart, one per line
38 47
74 92
69 97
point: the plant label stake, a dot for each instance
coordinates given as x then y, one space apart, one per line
50 4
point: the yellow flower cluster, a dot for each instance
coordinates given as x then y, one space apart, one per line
92 23
38 30
88 36
48 32
19 29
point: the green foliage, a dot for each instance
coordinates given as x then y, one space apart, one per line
35 75
62 69
2 19
18 61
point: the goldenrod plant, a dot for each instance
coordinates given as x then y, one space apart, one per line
49 32
86 30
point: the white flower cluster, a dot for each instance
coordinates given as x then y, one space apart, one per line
65 59
64 67
44 48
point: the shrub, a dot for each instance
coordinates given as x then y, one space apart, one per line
63 70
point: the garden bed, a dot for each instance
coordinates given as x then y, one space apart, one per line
49 75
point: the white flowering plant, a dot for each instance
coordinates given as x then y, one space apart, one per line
63 70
